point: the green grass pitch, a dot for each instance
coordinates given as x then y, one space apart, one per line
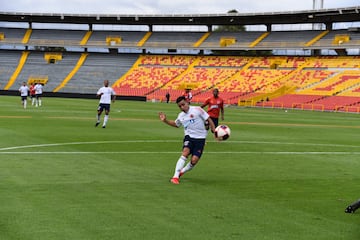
280 176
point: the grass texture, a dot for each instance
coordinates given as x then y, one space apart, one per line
280 176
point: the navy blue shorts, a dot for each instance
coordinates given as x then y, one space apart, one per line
104 106
196 146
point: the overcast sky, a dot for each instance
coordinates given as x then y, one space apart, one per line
165 6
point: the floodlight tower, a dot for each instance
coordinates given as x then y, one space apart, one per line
317 4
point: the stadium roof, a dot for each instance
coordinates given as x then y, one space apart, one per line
326 16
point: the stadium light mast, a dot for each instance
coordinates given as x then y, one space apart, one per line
317 4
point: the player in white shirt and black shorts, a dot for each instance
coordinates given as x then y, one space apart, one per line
38 94
107 95
193 119
24 91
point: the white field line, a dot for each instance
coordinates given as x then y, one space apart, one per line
14 149
177 152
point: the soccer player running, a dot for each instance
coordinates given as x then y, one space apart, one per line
193 119
32 94
107 95
24 90
38 94
215 107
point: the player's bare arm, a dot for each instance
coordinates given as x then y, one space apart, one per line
163 118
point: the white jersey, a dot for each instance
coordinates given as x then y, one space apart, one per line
38 88
193 122
24 91
107 92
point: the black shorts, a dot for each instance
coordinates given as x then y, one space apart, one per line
195 145
104 106
38 95
23 98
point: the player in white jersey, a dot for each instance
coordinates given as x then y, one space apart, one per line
193 119
38 94
24 90
107 95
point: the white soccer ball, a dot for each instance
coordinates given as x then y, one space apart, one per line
222 132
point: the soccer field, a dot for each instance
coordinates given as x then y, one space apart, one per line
280 176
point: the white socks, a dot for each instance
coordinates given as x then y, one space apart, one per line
188 167
179 165
106 118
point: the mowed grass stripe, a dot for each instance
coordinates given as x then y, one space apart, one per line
281 178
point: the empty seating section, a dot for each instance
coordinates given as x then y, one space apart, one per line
166 60
97 68
12 35
151 73
323 82
287 39
221 61
306 78
329 39
8 63
243 39
148 78
173 39
44 37
36 65
128 38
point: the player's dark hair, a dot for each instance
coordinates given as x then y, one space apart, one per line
179 99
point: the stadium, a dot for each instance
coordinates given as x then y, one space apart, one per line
284 173
310 80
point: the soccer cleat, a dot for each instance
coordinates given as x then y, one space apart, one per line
349 209
353 207
175 180
181 173
97 124
104 126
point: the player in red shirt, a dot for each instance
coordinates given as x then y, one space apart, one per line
32 93
188 95
215 107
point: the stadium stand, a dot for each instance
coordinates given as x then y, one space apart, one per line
315 82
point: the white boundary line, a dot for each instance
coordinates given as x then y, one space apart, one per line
177 152
7 150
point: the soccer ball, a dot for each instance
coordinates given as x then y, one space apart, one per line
222 132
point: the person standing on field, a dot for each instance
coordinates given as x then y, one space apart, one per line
107 95
192 118
215 107
24 91
188 95
32 94
38 94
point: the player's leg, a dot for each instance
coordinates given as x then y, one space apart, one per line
36 100
24 102
182 160
106 117
196 152
99 111
215 121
